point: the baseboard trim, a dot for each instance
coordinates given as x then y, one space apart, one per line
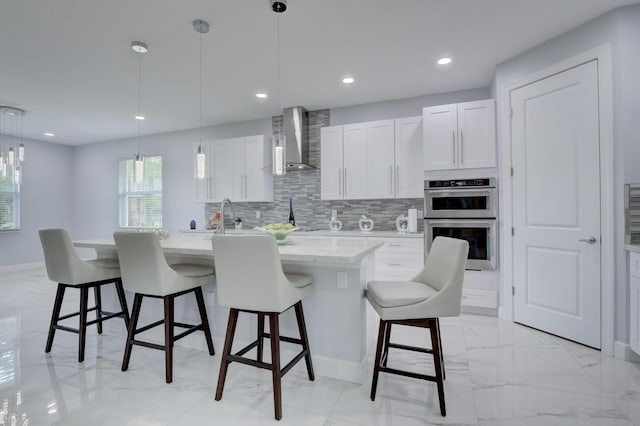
623 351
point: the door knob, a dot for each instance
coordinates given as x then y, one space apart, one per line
590 240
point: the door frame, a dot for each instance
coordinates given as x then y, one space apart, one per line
602 54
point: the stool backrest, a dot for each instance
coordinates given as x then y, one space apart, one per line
143 266
62 262
444 271
249 273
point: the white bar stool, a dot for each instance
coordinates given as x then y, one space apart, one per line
435 292
250 279
145 273
66 268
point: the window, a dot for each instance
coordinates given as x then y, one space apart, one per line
140 204
9 203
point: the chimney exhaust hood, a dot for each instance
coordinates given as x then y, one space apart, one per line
295 127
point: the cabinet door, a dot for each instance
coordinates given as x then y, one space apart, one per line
439 124
237 169
331 163
381 171
409 172
222 169
354 173
254 169
476 134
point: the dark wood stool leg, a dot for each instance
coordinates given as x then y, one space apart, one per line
302 328
82 323
98 298
57 305
204 319
376 364
276 374
433 328
123 302
385 349
260 346
444 375
168 337
226 351
135 313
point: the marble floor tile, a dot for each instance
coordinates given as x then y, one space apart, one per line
498 374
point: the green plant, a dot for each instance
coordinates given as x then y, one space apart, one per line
238 220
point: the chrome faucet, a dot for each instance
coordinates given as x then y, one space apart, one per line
220 229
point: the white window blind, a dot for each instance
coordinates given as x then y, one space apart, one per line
140 204
9 202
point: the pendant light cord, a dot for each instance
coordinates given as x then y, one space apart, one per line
139 103
278 60
200 123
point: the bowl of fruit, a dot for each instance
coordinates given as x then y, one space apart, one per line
279 230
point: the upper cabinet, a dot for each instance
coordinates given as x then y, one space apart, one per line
238 169
343 162
459 136
378 159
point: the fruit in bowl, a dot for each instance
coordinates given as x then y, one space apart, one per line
278 230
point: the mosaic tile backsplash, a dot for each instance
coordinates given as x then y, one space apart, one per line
303 187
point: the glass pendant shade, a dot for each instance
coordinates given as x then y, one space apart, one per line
16 176
138 168
12 156
21 152
200 163
3 170
279 150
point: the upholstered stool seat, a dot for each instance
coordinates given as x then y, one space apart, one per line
250 279
435 292
70 271
145 273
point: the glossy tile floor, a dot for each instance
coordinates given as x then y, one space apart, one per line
498 373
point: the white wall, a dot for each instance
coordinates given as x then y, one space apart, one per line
621 29
46 200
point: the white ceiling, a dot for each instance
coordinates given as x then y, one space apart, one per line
69 62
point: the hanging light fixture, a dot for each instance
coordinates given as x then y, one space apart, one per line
201 27
138 164
278 140
11 127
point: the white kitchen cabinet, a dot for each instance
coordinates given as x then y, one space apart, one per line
634 302
399 259
459 136
378 159
343 162
241 169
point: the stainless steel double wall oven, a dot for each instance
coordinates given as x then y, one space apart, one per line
465 209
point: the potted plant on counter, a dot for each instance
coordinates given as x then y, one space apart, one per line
238 223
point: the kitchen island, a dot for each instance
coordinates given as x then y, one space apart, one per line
339 323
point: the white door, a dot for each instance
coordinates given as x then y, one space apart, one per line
331 163
237 169
380 159
556 204
253 182
476 134
221 169
440 130
409 175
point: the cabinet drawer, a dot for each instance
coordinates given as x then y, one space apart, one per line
398 260
634 264
399 245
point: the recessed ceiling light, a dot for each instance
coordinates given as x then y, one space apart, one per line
348 80
444 61
261 95
139 117
49 134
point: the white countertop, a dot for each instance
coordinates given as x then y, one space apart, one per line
317 233
632 247
300 250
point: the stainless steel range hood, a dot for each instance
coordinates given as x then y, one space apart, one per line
295 127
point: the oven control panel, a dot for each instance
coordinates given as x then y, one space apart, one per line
460 183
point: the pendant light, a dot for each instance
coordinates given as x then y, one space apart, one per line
11 127
278 140
201 27
138 164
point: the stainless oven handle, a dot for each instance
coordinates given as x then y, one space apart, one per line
438 193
